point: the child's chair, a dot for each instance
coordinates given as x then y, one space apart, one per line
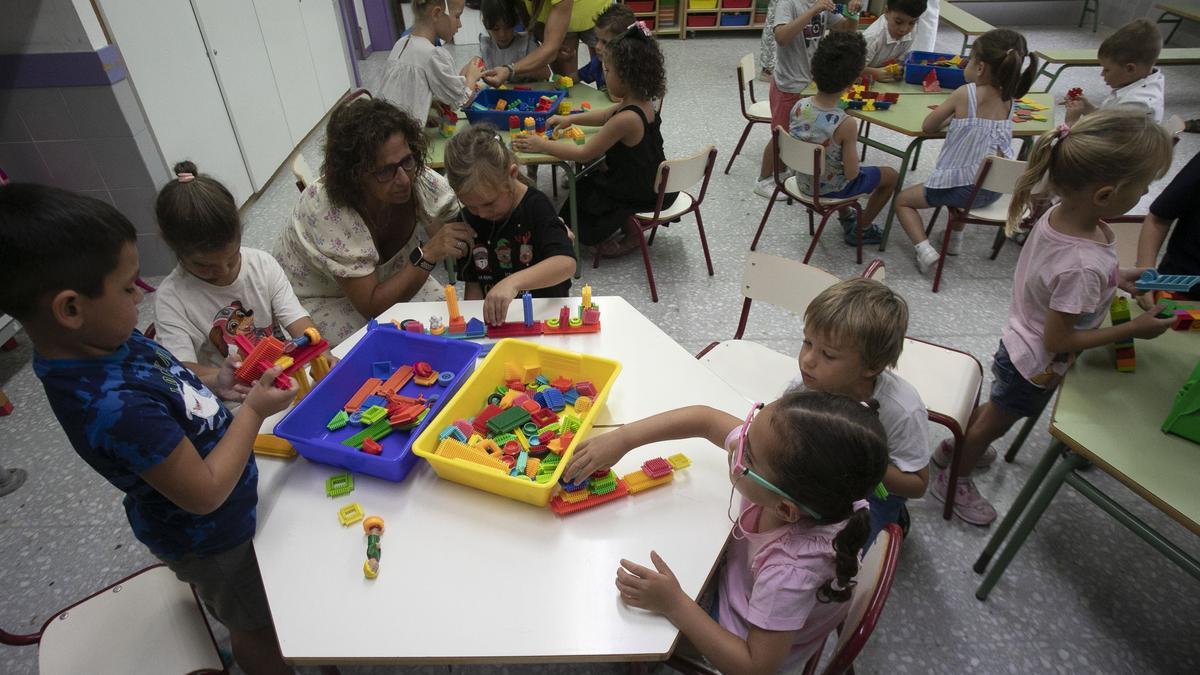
302 172
757 112
149 622
998 175
873 584
674 175
805 158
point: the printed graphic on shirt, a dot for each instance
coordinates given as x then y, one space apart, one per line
480 255
504 254
232 321
200 404
814 30
526 251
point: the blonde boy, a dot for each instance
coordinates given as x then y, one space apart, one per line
1127 59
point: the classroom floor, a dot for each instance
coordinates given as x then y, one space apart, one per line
1084 595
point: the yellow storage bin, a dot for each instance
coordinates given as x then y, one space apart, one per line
472 398
702 4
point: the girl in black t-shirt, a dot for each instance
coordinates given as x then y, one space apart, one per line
520 242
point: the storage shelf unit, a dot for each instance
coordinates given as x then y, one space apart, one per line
662 16
701 16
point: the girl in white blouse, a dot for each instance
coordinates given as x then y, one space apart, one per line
418 72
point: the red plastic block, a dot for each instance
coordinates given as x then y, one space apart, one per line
481 420
543 416
586 389
657 467
531 406
546 436
563 508
371 447
562 384
422 369
514 329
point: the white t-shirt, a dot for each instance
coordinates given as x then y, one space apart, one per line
1147 92
882 47
418 74
925 34
185 306
904 418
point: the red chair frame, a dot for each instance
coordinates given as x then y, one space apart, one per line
956 216
751 120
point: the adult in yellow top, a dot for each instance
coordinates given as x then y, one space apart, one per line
559 25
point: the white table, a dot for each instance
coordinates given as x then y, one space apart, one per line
469 576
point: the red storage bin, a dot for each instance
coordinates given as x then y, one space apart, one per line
639 6
649 23
701 20
735 4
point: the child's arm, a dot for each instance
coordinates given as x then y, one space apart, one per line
601 452
591 118
200 485
549 272
786 32
618 128
1062 336
937 118
909 484
847 136
657 590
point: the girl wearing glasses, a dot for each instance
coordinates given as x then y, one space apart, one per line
367 234
801 468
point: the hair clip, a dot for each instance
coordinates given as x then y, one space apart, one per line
1063 131
184 177
640 27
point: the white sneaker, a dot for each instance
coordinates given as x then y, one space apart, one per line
926 259
955 244
766 187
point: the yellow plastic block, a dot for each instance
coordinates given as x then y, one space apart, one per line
426 381
521 439
475 439
350 514
273 446
532 370
583 404
453 449
285 361
489 446
573 497
507 401
638 481
679 461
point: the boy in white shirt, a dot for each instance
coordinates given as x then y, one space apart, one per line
502 44
853 336
1127 60
890 37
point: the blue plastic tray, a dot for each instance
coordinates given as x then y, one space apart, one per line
305 428
499 118
1151 280
914 72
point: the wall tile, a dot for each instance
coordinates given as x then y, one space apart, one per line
154 256
12 127
71 165
45 114
119 162
95 112
22 162
102 195
138 206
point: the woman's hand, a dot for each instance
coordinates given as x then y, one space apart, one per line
534 143
495 304
497 76
452 240
655 590
597 453
227 387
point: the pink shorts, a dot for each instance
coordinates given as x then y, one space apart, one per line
781 106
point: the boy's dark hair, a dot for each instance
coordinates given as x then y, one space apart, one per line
836 452
1137 42
196 213
1003 51
639 64
839 61
616 18
357 129
498 12
52 240
913 8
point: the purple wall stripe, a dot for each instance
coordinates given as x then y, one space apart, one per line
74 69
380 25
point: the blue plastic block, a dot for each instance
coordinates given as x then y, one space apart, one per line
1151 280
571 395
382 369
574 487
452 432
527 307
540 399
445 378
522 459
356 416
542 380
553 398
373 400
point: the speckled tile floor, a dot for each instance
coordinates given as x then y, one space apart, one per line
1083 596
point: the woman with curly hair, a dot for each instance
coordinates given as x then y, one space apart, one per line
630 139
354 247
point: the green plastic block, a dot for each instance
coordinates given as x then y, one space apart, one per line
503 439
341 484
373 414
376 431
339 420
603 486
1184 419
570 423
508 420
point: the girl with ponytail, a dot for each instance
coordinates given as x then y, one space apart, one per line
802 467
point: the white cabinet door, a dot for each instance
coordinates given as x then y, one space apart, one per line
170 71
327 44
239 57
286 39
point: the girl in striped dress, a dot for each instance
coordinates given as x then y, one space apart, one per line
980 125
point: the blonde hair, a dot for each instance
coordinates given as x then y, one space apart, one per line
477 157
1113 146
865 313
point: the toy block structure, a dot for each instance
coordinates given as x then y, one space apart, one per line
271 445
1124 354
452 449
270 352
563 507
1184 418
1151 280
339 484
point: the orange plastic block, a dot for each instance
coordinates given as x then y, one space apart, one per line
531 466
513 371
265 352
638 481
369 387
397 381
453 449
563 507
426 381
574 497
273 446
509 397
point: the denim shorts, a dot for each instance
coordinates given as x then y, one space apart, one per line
1012 392
959 196
229 585
883 511
866 181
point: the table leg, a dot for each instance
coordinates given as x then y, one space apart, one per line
1174 20
1018 505
1133 523
915 145
1045 70
570 173
1045 495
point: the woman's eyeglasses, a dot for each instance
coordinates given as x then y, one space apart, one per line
387 172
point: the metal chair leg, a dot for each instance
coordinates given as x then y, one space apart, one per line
738 149
817 237
704 242
649 270
763 222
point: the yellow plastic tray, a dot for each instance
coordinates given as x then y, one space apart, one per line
472 398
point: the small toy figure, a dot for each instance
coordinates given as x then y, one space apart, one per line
373 526
436 327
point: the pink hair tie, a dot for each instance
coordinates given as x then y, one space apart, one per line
860 504
1063 130
185 177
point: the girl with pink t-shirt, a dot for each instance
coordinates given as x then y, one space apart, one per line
802 467
1065 280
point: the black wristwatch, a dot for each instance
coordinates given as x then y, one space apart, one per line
417 259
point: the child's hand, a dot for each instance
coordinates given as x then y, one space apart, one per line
595 454
495 305
1145 300
452 240
228 388
473 69
496 76
1127 280
823 6
644 588
1147 325
535 143
556 121
855 6
265 399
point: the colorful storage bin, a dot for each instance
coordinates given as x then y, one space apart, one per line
915 72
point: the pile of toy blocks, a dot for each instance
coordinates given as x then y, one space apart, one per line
526 425
447 121
604 486
379 407
1027 109
1186 318
858 97
572 132
1119 313
956 61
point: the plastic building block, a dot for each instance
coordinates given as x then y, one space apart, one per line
930 83
1151 280
356 417
339 420
570 423
375 432
501 104
382 369
638 481
564 82
603 485
444 378
679 461
265 352
562 383
372 401
586 388
531 466
373 414
367 389
1184 418
350 514
1074 93
273 446
1119 313
507 420
339 484
373 526
396 382
452 432
543 416
452 449
514 329
657 467
562 508
371 447
572 486
574 497
583 404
